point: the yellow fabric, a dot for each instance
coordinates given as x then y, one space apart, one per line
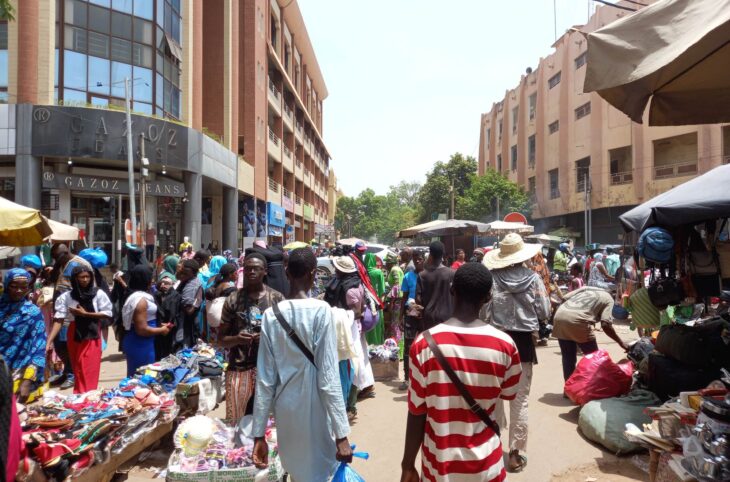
20 225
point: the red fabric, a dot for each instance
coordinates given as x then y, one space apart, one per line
365 278
457 264
15 443
597 377
86 361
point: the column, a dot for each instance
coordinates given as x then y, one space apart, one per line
192 210
230 219
27 18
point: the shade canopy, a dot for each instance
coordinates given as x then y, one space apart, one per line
701 199
500 228
350 241
415 230
61 231
296 245
545 239
675 52
21 225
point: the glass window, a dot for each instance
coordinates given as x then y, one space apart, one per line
160 14
99 19
160 40
167 98
98 75
175 75
120 72
55 72
4 36
168 69
98 44
75 39
121 50
142 90
160 63
74 70
176 5
71 96
121 25
103 3
76 13
143 31
122 5
144 8
159 98
168 18
142 55
3 68
175 103
99 101
142 108
176 27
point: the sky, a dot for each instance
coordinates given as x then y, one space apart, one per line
409 79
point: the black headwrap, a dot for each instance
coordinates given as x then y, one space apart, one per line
336 292
85 296
140 278
135 257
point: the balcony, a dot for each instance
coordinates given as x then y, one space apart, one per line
307 146
288 116
274 97
307 178
675 170
274 146
298 131
298 170
274 194
298 206
287 159
618 178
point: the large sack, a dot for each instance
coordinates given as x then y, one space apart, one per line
700 346
596 376
604 421
667 377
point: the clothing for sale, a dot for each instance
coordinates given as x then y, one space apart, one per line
457 444
518 412
169 311
85 357
241 313
519 299
86 328
433 289
581 309
306 398
240 386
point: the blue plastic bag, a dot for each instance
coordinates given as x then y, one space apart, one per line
345 473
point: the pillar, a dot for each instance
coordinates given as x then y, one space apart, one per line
230 219
27 18
193 207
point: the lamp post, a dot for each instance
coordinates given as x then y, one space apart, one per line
130 161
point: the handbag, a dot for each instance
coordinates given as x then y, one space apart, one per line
293 335
474 406
703 268
369 320
665 291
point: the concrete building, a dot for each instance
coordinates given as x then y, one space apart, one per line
553 139
334 193
226 101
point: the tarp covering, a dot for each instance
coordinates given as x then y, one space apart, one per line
701 199
61 231
21 225
677 51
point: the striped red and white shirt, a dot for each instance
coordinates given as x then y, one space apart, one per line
457 445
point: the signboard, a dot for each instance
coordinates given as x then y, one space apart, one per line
290 236
308 212
276 231
248 214
110 185
261 219
515 218
277 216
60 131
287 203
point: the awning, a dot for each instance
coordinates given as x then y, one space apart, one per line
21 225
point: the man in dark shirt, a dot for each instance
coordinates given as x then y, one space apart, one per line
433 290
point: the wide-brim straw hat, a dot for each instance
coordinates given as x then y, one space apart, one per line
345 264
512 250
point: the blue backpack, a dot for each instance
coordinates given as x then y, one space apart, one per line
656 245
95 256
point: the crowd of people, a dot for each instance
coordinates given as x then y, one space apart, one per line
293 348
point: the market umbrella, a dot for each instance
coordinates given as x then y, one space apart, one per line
701 199
676 52
350 241
545 238
415 230
296 245
61 231
454 227
8 252
21 225
565 232
500 228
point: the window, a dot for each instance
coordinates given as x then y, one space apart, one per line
141 55
99 19
515 116
122 5
75 39
582 167
98 75
143 31
98 45
121 50
583 111
513 157
554 184
533 105
121 25
142 85
580 60
501 123
532 188
554 127
4 60
75 13
74 68
620 165
144 8
489 134
274 32
120 71
531 148
675 156
499 162
554 80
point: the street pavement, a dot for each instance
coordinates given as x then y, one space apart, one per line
556 449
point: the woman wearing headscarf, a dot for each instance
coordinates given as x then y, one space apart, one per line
168 299
139 319
598 276
376 336
169 268
22 334
85 306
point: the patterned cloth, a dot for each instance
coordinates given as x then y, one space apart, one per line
22 335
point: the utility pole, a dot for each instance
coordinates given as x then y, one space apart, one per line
498 216
451 192
590 211
130 160
142 191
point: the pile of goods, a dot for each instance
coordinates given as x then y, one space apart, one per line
384 359
207 449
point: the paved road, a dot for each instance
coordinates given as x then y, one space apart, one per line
556 450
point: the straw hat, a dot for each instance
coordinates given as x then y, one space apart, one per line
345 264
512 250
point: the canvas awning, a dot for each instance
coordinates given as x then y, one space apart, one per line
21 225
61 231
674 52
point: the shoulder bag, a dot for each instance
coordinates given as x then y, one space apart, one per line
293 335
473 404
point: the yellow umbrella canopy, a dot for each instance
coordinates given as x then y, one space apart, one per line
296 245
21 225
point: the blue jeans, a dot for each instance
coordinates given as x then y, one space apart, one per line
569 352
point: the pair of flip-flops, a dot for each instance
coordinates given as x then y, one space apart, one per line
519 467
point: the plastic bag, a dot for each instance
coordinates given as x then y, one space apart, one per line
597 377
345 473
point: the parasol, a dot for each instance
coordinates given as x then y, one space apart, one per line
350 241
21 225
296 245
500 228
61 231
545 239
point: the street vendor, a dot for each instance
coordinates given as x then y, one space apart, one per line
22 334
574 324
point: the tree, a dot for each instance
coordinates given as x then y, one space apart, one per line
479 202
434 197
406 193
7 12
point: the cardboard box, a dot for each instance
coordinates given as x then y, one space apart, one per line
384 370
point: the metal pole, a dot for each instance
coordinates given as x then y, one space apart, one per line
590 211
585 209
120 232
130 160
451 190
498 209
142 196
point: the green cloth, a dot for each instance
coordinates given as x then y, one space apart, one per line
560 262
376 336
395 277
169 268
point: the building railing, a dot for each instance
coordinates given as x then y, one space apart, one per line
273 89
288 111
286 192
618 178
274 138
298 163
675 170
287 151
273 185
298 200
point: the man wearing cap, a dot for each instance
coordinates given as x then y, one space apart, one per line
477 256
360 250
519 302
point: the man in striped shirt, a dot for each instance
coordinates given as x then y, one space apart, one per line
456 444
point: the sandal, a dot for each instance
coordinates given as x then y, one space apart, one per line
520 466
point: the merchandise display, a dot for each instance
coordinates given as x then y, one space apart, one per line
384 359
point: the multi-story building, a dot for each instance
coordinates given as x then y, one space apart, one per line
555 140
226 103
334 193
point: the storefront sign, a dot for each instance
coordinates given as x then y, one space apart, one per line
277 215
308 212
287 203
60 131
52 180
276 231
289 234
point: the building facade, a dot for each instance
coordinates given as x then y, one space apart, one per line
570 149
202 85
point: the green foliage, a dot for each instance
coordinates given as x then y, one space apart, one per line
7 12
479 202
434 197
